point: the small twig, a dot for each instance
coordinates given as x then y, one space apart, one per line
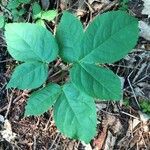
9 105
109 113
129 115
128 67
34 145
141 79
54 141
144 142
18 98
132 89
53 75
38 121
57 17
71 7
139 72
12 101
4 85
108 7
29 14
48 27
25 93
89 6
46 126
3 109
139 128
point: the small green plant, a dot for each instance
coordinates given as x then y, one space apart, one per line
39 15
107 39
16 10
126 102
124 4
145 106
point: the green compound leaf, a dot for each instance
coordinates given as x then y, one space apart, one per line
96 81
40 101
75 114
29 75
109 37
30 42
69 34
49 15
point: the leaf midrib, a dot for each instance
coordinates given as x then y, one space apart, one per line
70 106
96 79
28 45
38 66
47 98
74 113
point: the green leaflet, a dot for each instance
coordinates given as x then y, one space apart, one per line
109 37
48 15
29 75
40 101
96 81
45 15
30 42
69 35
75 114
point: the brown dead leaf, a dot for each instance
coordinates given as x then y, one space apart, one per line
98 143
111 128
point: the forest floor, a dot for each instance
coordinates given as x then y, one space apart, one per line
123 125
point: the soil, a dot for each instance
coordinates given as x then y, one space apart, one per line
3 80
120 127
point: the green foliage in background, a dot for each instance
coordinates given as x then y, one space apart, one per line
16 9
107 39
145 106
39 15
25 11
123 5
